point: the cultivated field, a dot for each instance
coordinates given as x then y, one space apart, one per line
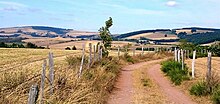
79 44
201 66
11 58
154 36
49 41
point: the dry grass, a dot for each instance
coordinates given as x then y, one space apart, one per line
48 41
93 87
200 73
79 44
150 94
15 57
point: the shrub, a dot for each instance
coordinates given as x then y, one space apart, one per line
31 45
199 89
72 60
67 48
174 70
212 87
128 57
74 48
216 97
169 65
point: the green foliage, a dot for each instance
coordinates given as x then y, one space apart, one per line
13 45
128 57
31 45
200 38
72 60
174 70
3 45
170 65
184 44
215 49
105 35
210 87
199 89
216 97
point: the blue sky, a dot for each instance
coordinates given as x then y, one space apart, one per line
128 15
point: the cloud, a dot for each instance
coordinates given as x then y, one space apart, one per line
9 9
17 7
61 19
135 11
11 6
171 3
14 4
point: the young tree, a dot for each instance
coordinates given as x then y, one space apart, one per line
105 35
74 48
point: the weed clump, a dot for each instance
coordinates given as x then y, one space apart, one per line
208 87
199 89
174 70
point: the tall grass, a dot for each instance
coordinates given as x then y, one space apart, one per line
210 88
93 87
174 70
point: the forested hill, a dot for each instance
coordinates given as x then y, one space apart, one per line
195 35
201 38
141 32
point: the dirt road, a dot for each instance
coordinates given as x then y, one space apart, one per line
124 90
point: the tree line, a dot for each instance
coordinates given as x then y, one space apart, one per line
19 45
200 38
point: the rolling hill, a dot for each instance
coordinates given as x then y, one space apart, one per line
193 34
43 31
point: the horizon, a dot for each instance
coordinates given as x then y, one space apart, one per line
91 15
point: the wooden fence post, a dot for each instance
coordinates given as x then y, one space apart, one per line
182 53
51 72
43 75
82 61
134 51
118 51
193 64
90 55
175 54
185 54
209 66
142 49
94 59
33 94
99 52
178 56
188 54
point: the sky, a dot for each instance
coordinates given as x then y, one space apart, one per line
128 15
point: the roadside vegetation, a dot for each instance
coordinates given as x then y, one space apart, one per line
174 70
207 88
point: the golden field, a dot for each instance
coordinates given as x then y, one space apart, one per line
10 57
79 44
